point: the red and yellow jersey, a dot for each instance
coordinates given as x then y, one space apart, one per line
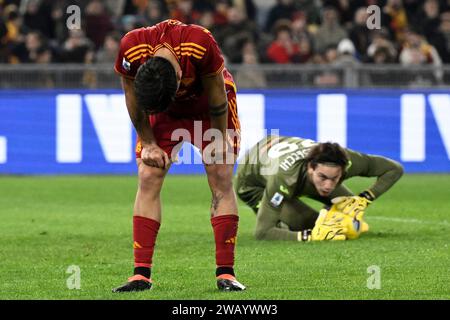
196 51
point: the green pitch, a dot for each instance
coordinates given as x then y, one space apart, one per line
50 223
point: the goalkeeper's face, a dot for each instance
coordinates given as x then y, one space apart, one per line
324 178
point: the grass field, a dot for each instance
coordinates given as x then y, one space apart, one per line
50 223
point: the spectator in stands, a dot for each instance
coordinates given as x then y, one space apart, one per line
154 13
328 77
185 13
108 53
251 77
397 18
221 13
380 39
330 32
97 23
299 27
14 24
284 9
344 10
430 18
4 50
31 49
306 51
310 9
359 34
283 49
77 48
346 54
38 17
128 23
302 36
444 32
430 25
383 55
417 51
238 31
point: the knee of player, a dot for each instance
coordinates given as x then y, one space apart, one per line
150 177
260 233
221 180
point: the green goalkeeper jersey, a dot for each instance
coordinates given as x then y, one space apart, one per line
276 167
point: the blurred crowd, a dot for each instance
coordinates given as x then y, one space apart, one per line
412 32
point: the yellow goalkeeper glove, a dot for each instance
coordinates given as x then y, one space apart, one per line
325 228
350 212
351 205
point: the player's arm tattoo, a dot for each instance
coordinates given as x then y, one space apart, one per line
217 111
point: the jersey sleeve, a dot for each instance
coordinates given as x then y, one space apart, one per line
387 171
127 60
211 60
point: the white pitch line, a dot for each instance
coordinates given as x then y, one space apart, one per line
395 219
392 219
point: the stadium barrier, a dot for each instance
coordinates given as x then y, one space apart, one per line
89 132
247 76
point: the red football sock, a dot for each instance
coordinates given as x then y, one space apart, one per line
145 231
225 231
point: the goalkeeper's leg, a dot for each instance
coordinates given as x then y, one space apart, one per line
297 215
248 193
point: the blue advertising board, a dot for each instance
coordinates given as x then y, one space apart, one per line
89 132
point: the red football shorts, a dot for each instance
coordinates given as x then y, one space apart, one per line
171 132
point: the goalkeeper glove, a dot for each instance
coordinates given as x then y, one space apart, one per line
325 228
352 212
350 205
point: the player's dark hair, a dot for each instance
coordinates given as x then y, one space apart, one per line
328 153
155 85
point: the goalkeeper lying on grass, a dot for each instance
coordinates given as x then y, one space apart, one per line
279 171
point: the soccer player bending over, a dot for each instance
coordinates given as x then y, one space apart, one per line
278 171
173 77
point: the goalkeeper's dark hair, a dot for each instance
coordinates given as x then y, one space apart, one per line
328 153
155 85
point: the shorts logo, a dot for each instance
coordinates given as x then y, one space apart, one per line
276 200
136 245
126 65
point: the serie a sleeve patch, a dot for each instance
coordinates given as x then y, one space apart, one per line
276 200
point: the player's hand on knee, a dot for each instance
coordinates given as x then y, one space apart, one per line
152 155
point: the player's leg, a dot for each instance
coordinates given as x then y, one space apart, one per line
224 212
224 220
297 215
146 223
147 213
